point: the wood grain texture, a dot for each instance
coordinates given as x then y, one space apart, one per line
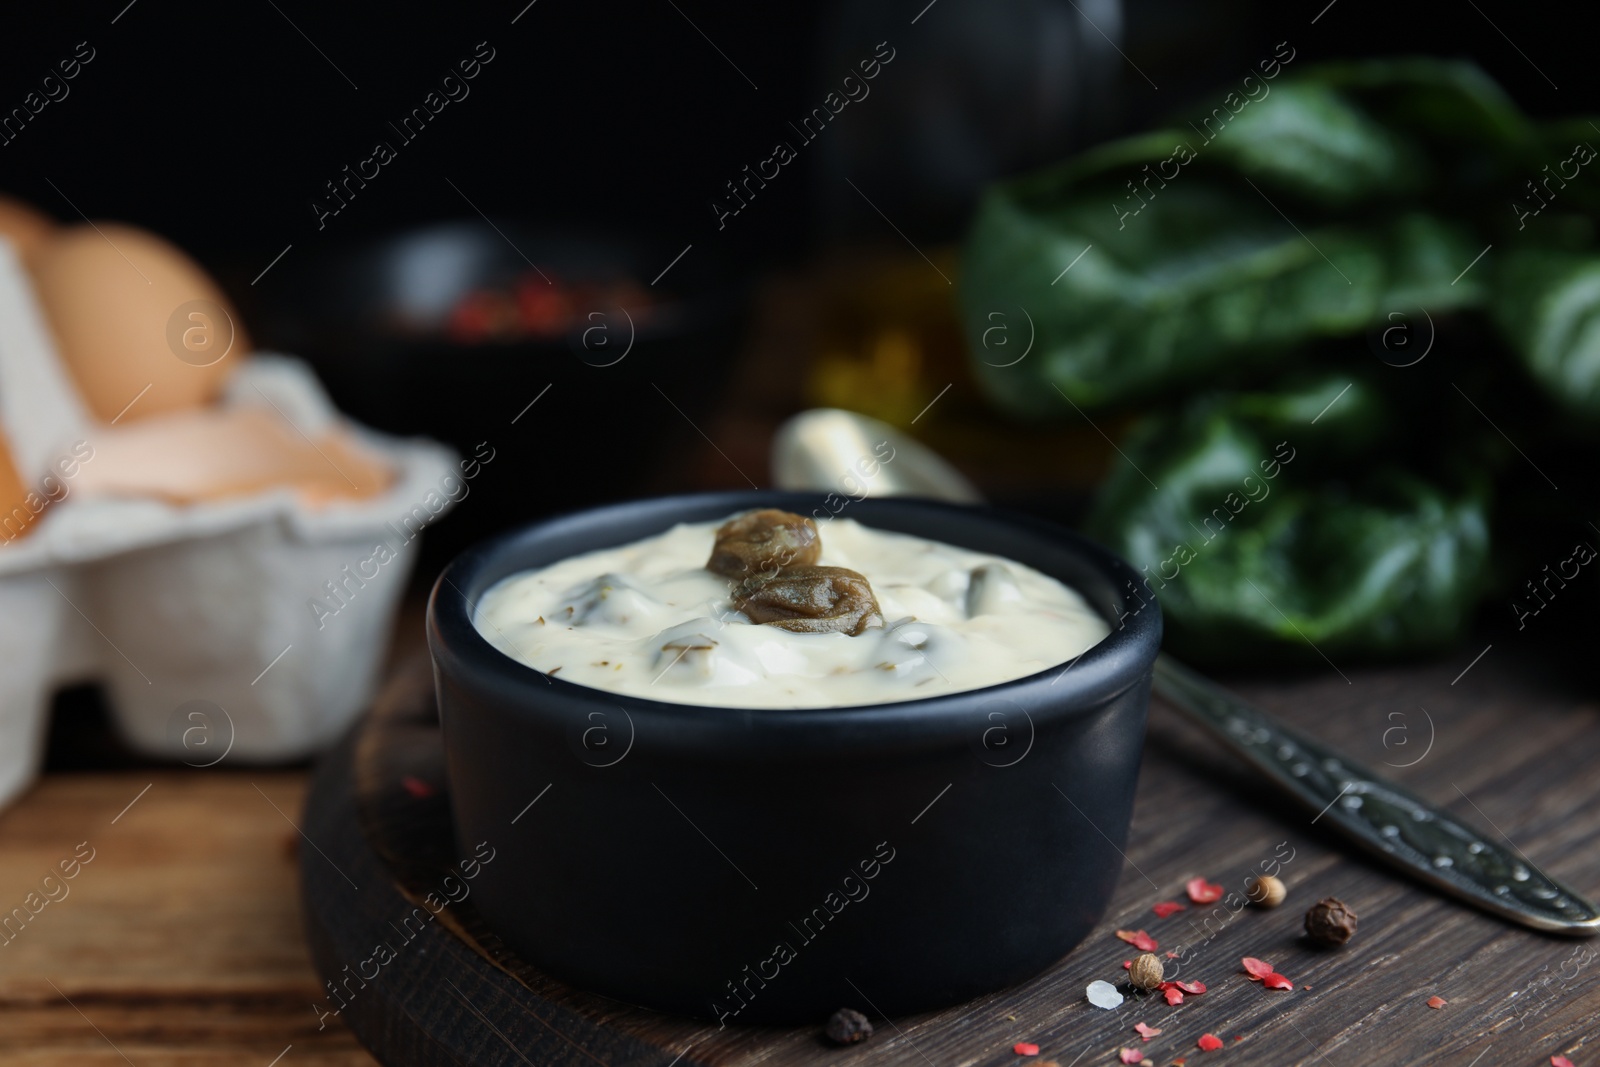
178 943
1502 748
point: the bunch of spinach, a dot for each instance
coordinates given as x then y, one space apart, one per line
1248 283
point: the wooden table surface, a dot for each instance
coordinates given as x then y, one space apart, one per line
180 942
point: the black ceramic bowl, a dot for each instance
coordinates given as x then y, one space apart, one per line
773 865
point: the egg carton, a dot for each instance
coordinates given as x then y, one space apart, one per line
198 620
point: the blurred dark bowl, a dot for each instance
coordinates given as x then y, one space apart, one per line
375 320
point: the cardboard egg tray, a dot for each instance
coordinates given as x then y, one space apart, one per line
198 620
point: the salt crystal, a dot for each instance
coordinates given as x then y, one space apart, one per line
1103 995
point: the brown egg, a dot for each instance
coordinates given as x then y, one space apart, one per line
215 454
141 327
25 227
16 517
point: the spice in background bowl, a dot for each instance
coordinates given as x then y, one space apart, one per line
534 306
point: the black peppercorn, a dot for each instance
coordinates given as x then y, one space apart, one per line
1330 922
847 1026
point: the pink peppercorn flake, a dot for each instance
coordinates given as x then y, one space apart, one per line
1025 1048
1276 981
1203 892
1167 908
1437 1002
1132 1055
1139 940
1209 1042
1257 969
1146 1032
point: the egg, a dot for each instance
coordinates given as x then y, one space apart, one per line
218 453
26 228
16 517
141 327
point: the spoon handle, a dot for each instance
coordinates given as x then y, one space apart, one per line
1398 828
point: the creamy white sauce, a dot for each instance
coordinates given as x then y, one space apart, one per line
647 619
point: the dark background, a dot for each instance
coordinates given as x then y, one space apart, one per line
217 124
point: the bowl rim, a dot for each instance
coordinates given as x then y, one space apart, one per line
1095 676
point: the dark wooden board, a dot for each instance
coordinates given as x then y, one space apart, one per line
1502 747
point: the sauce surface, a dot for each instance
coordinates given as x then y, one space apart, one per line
647 619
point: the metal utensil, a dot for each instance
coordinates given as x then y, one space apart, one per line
822 448
826 448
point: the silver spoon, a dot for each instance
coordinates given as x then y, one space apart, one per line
830 449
